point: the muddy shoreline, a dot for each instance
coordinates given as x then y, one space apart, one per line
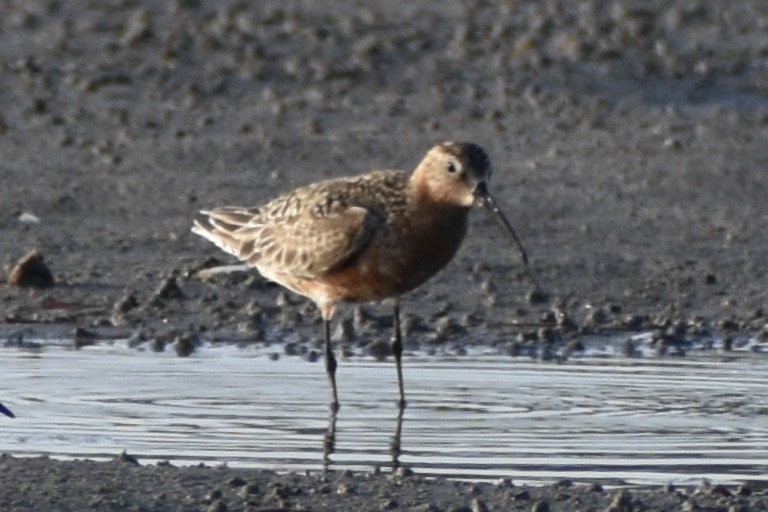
628 141
125 484
633 174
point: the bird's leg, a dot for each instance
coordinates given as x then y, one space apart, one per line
394 446
329 442
397 351
330 364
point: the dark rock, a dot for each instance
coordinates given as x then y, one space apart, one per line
597 316
31 271
633 322
169 289
380 350
248 490
217 506
137 339
521 495
564 321
404 472
622 501
236 481
84 337
127 459
536 296
213 495
478 506
185 344
729 325
126 303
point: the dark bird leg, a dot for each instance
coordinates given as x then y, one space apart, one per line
330 364
397 351
329 441
394 446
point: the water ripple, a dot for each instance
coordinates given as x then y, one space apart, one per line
633 420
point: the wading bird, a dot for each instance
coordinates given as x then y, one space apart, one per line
363 238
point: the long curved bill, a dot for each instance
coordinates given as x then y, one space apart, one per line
485 199
6 411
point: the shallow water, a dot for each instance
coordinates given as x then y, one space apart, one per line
639 420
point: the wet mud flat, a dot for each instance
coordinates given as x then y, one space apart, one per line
628 141
628 146
125 484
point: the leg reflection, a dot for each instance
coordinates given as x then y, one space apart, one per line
394 446
329 442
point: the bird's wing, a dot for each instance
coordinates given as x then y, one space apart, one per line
291 234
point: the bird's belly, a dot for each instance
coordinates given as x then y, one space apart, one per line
393 263
386 270
371 279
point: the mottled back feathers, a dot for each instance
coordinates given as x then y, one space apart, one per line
310 231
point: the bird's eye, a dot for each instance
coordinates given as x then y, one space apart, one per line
451 166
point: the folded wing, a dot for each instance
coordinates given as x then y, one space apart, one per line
290 237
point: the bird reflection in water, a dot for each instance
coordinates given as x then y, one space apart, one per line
329 441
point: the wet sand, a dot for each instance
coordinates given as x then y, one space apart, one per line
628 142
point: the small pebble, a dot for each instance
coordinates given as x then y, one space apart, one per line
403 472
84 337
217 506
185 344
128 459
213 495
622 500
169 289
126 303
236 481
248 490
536 296
521 495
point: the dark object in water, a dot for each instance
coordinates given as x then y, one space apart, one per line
6 411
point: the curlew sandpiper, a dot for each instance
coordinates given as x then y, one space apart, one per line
362 238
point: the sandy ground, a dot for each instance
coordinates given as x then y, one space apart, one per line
628 140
